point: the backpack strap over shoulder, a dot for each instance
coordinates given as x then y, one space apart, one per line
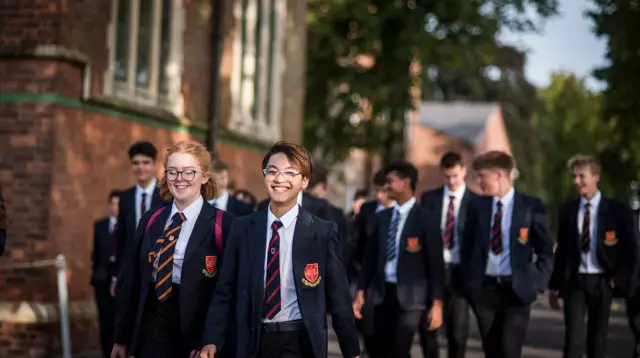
153 218
218 230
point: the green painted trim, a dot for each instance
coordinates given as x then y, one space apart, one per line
102 109
98 107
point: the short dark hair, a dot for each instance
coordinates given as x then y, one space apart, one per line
450 159
380 178
249 195
494 159
320 176
219 166
404 170
299 157
361 194
114 194
143 148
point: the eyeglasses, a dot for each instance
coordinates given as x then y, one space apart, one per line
187 175
287 174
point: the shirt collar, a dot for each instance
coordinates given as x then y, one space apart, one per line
113 220
406 207
223 197
594 201
506 199
300 196
457 194
191 212
286 219
149 189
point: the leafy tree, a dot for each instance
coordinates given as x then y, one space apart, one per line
362 56
617 22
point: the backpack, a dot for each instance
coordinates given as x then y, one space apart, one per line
218 226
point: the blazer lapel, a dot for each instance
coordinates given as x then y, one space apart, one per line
573 224
155 232
257 233
202 227
486 223
518 214
437 209
602 210
301 244
386 216
462 212
407 228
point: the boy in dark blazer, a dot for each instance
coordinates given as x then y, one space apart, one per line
403 270
137 200
224 200
102 259
506 257
595 259
281 274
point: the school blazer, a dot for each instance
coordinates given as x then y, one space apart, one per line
241 284
197 280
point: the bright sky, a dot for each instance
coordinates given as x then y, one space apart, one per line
566 42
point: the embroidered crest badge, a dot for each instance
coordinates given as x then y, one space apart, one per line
311 275
524 235
413 245
610 238
211 266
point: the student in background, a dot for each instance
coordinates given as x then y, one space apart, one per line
225 200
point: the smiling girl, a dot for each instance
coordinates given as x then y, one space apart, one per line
168 279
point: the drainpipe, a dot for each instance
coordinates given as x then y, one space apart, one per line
217 39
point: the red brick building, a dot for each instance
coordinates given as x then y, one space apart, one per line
80 81
437 127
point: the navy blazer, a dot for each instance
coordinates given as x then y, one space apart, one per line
196 288
241 284
126 228
420 267
433 201
618 257
103 249
531 256
238 208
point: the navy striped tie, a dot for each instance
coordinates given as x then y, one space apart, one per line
496 231
391 238
272 293
164 271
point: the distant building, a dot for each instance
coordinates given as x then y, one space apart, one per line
80 81
466 127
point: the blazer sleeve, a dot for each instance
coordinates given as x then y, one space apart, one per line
339 298
542 244
220 310
434 259
369 260
627 279
560 257
128 287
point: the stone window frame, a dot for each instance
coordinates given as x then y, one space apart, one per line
261 118
149 95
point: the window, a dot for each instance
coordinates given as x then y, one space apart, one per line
257 68
145 42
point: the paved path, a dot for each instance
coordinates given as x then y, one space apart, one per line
544 338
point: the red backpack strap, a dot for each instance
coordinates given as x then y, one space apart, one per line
218 231
153 218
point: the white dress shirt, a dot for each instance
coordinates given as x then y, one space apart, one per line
112 224
452 256
149 191
500 265
300 196
589 261
391 267
222 201
190 213
289 309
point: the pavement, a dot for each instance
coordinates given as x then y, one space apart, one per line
545 335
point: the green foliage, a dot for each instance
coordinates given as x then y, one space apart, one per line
360 53
617 22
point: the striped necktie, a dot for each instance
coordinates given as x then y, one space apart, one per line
496 231
447 239
586 229
164 271
391 237
272 295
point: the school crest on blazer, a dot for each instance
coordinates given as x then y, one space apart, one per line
413 244
524 235
211 266
311 275
610 238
